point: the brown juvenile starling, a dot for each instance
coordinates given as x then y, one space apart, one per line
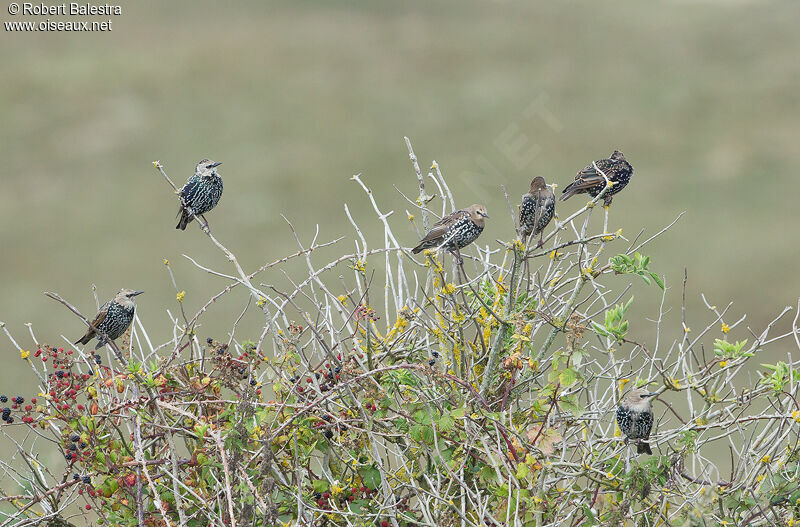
201 192
616 168
455 231
114 317
538 207
635 418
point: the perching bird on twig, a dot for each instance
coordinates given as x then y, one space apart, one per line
201 192
537 209
455 231
635 418
113 319
616 168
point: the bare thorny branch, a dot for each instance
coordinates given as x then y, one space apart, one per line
479 398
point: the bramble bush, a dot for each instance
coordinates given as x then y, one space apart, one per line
393 390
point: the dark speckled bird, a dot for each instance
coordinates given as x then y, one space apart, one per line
635 418
616 168
455 231
113 319
201 192
537 209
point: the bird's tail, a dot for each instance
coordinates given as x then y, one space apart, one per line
568 192
418 248
643 447
85 339
184 221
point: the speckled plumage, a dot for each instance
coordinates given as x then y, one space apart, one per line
635 418
455 231
201 192
537 209
113 318
589 180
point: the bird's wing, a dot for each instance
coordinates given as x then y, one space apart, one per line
439 228
542 197
589 177
188 188
646 419
98 319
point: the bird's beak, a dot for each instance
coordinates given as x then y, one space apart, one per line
213 165
652 394
136 293
484 215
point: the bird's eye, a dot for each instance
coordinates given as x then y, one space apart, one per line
209 166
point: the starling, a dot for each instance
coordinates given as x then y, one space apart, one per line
201 192
617 170
455 231
635 418
114 317
537 210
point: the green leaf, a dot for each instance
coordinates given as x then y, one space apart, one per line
446 423
568 377
370 476
657 279
320 485
416 433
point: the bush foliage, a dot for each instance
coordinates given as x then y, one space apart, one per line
387 389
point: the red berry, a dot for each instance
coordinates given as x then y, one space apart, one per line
33 400
384 523
88 507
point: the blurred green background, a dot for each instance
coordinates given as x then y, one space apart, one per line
295 97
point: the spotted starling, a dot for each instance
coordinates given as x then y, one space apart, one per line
455 231
201 192
538 207
114 317
616 168
635 418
